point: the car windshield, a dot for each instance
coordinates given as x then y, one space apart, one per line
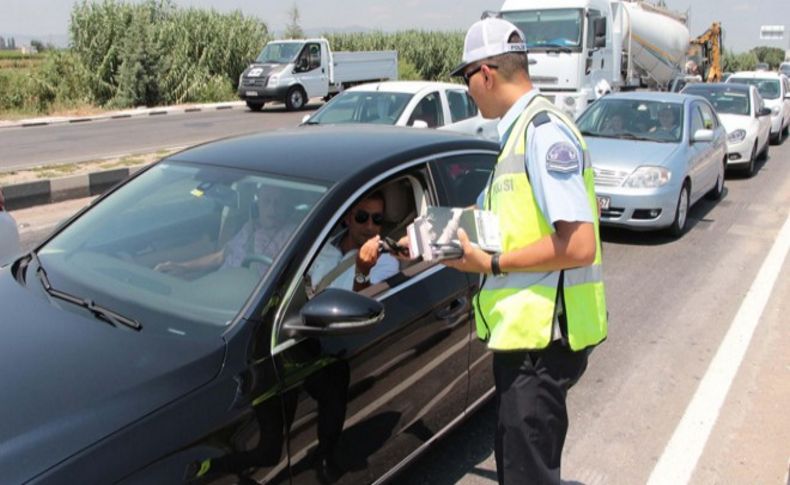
768 88
363 107
634 119
549 28
279 52
725 101
785 69
183 245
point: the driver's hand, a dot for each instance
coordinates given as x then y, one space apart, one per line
404 255
368 255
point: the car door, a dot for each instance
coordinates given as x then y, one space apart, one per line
764 121
360 403
310 71
715 149
786 99
462 113
462 178
699 153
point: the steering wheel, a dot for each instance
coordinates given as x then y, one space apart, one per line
256 258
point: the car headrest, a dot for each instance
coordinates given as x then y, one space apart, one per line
398 201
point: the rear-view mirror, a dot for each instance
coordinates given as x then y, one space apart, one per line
336 312
702 136
419 124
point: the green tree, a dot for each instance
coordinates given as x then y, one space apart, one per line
773 56
294 30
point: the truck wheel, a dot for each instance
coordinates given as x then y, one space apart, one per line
295 99
255 106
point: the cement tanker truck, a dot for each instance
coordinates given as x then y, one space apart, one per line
581 49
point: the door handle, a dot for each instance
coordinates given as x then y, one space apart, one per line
454 312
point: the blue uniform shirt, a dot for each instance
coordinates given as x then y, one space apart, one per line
554 162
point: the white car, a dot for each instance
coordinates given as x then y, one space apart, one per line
742 111
775 90
422 104
9 235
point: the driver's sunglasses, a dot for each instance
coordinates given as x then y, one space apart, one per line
361 217
468 75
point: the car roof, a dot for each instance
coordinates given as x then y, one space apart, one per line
410 87
663 97
756 75
330 153
718 87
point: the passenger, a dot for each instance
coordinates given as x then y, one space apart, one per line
351 260
614 125
257 243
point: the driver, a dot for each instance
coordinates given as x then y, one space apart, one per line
352 260
666 122
257 242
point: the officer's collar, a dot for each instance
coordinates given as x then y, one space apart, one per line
513 113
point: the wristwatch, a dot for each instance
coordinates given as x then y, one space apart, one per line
361 278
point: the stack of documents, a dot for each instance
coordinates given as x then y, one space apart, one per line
434 236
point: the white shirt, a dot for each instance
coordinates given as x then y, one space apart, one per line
329 257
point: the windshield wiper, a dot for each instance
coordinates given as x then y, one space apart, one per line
550 46
631 136
99 311
590 133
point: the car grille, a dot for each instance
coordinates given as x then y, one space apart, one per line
609 178
254 81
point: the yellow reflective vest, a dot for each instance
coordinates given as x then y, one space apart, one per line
515 311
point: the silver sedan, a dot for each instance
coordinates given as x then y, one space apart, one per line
654 155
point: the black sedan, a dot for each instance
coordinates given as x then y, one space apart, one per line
174 332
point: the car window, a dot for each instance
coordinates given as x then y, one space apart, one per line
708 118
697 122
181 245
362 107
310 57
429 110
769 88
461 105
463 178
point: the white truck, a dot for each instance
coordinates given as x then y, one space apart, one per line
293 71
581 49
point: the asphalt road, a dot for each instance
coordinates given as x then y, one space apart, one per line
67 143
671 303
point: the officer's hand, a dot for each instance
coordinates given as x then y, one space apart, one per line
368 255
474 260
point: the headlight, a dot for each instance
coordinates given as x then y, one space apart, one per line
273 80
775 110
648 178
736 136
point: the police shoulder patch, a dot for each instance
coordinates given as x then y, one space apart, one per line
562 157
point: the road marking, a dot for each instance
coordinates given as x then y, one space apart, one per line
683 450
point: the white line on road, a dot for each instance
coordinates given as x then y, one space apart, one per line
681 454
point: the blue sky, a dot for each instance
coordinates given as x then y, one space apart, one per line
741 19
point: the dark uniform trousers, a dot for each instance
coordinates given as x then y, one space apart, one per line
531 387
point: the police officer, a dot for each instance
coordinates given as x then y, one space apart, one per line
541 306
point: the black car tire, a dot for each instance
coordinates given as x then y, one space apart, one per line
257 106
718 190
678 226
752 161
295 99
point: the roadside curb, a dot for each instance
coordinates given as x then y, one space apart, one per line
115 115
40 192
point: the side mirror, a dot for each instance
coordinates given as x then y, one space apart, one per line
305 118
337 312
599 28
764 112
702 136
787 96
420 124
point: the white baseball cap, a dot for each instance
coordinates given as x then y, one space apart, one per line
487 38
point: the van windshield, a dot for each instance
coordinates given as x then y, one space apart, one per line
768 88
279 52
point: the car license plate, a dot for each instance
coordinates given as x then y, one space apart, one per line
603 202
251 93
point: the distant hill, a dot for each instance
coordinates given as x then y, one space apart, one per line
58 40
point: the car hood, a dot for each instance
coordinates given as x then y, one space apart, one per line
70 380
733 122
264 70
615 154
